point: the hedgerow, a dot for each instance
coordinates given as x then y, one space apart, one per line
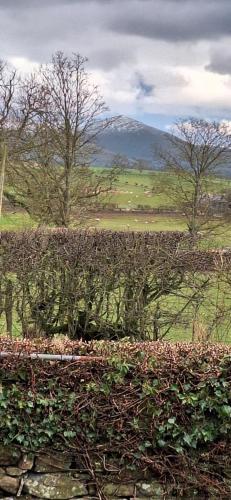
89 285
158 407
111 285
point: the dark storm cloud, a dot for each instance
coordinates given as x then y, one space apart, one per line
220 61
174 20
35 27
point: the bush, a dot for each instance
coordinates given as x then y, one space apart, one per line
89 285
109 285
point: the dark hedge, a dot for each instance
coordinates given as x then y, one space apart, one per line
108 285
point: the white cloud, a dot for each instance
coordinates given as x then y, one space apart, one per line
173 65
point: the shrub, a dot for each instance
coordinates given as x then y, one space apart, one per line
86 284
107 284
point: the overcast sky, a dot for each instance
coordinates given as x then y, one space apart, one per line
154 60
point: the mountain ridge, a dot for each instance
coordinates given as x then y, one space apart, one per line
131 138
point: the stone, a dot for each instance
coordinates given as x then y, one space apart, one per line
9 455
9 498
149 489
14 471
9 484
54 486
23 497
81 475
118 490
227 472
198 497
27 461
91 489
192 493
55 462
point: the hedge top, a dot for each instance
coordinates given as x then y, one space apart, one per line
27 250
162 352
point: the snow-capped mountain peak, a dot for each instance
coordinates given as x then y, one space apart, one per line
123 123
133 139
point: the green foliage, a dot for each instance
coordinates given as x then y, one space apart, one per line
170 401
33 420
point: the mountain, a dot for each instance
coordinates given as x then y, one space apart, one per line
135 140
132 139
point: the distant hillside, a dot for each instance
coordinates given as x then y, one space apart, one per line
133 139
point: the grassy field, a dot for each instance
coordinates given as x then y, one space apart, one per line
126 221
16 222
137 222
134 189
150 222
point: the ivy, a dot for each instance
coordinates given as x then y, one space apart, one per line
153 407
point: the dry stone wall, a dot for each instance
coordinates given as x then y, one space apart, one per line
58 476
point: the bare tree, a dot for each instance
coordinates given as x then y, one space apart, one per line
121 162
53 179
199 148
141 165
8 80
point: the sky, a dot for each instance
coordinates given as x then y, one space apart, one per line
154 60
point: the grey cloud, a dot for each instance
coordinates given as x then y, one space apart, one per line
173 20
35 33
35 28
132 43
220 61
111 58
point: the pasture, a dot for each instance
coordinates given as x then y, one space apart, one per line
134 195
149 189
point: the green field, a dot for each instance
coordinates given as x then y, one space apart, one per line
125 221
16 221
150 222
134 190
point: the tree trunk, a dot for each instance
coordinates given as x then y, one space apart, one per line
9 308
2 174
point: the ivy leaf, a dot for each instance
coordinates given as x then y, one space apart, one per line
226 410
